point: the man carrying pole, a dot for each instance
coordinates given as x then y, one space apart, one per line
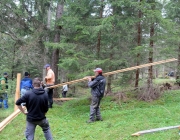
97 86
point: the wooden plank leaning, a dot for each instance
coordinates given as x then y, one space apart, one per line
17 94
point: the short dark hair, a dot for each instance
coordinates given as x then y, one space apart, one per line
36 82
5 74
26 74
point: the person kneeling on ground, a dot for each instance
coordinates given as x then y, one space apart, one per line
97 86
37 106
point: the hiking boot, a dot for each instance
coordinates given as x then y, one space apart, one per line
90 121
99 119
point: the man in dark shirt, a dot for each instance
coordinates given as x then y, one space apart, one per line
37 106
97 86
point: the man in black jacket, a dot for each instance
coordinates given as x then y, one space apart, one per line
37 106
97 86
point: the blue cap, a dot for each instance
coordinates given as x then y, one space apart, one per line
47 65
5 73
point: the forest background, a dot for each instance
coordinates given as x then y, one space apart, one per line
77 36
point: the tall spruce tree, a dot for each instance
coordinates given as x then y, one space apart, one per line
172 12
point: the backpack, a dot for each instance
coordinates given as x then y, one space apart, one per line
101 87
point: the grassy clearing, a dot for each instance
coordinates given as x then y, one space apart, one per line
68 121
6 112
160 81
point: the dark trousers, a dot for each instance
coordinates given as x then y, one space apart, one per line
31 126
49 91
64 93
94 108
4 100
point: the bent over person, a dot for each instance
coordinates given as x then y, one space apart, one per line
37 106
97 86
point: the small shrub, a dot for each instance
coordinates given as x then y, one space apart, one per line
150 93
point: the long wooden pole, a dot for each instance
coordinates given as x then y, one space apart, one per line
17 94
118 71
154 130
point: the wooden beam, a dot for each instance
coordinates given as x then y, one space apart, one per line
63 99
17 94
9 119
117 71
154 130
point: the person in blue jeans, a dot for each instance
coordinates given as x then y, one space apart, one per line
3 91
26 84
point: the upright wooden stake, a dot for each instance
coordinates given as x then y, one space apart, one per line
17 94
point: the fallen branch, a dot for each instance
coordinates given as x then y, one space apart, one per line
154 130
63 99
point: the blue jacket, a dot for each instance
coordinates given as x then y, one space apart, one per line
97 86
26 83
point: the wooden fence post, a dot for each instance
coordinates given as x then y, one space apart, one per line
17 94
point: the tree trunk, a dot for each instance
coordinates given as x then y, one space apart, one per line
151 45
109 84
178 65
55 54
46 58
139 38
99 34
13 65
110 76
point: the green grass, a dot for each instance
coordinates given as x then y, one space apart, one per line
6 112
160 81
68 121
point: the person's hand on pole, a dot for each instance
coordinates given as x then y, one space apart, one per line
89 78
